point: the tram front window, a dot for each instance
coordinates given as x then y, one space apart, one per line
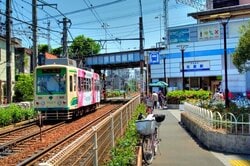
51 84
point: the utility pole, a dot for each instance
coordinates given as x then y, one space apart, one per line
105 27
141 51
165 16
48 22
48 27
8 52
65 36
34 29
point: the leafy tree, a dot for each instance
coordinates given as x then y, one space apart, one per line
83 46
42 48
24 88
57 51
242 52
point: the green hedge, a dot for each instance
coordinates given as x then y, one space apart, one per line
15 114
115 93
178 96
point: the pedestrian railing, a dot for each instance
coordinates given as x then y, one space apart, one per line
226 122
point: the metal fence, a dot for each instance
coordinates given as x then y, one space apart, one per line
227 122
92 147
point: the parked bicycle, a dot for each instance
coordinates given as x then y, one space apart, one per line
148 128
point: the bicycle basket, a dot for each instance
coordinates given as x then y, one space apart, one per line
159 117
145 127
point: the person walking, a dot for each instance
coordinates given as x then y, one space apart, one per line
160 99
155 99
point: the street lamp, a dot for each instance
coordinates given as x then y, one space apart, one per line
156 17
224 18
224 24
182 48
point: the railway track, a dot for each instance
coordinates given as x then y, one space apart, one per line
18 139
27 152
23 129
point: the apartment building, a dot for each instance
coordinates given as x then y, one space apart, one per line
14 43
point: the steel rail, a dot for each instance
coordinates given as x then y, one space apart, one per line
33 159
6 132
8 146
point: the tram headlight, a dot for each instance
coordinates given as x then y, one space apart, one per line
43 103
59 102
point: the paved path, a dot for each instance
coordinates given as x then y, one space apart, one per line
179 148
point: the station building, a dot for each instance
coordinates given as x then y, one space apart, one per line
203 50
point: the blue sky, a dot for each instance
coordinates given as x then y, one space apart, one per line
121 17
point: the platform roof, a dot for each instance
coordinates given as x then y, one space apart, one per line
215 14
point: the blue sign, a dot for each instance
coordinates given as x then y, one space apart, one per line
196 66
154 58
179 35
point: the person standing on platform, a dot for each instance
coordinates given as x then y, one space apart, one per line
155 99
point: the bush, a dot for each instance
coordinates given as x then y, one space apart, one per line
15 114
24 88
29 113
178 96
5 117
114 93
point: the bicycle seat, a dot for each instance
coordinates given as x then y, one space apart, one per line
159 117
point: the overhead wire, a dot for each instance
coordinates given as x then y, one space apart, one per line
99 19
26 37
124 30
86 9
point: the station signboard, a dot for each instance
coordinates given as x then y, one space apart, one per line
154 57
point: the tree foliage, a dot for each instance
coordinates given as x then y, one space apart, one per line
42 48
83 46
242 52
56 51
24 88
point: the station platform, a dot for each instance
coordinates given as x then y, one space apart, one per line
179 148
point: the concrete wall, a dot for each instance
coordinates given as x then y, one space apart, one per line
216 140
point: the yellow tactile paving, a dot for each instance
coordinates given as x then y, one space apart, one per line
240 162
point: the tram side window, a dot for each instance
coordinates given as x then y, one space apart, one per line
82 83
75 78
90 84
79 84
87 84
97 85
70 84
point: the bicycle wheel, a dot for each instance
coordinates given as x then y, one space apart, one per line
156 140
147 149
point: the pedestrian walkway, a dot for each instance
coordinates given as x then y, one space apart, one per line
179 148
